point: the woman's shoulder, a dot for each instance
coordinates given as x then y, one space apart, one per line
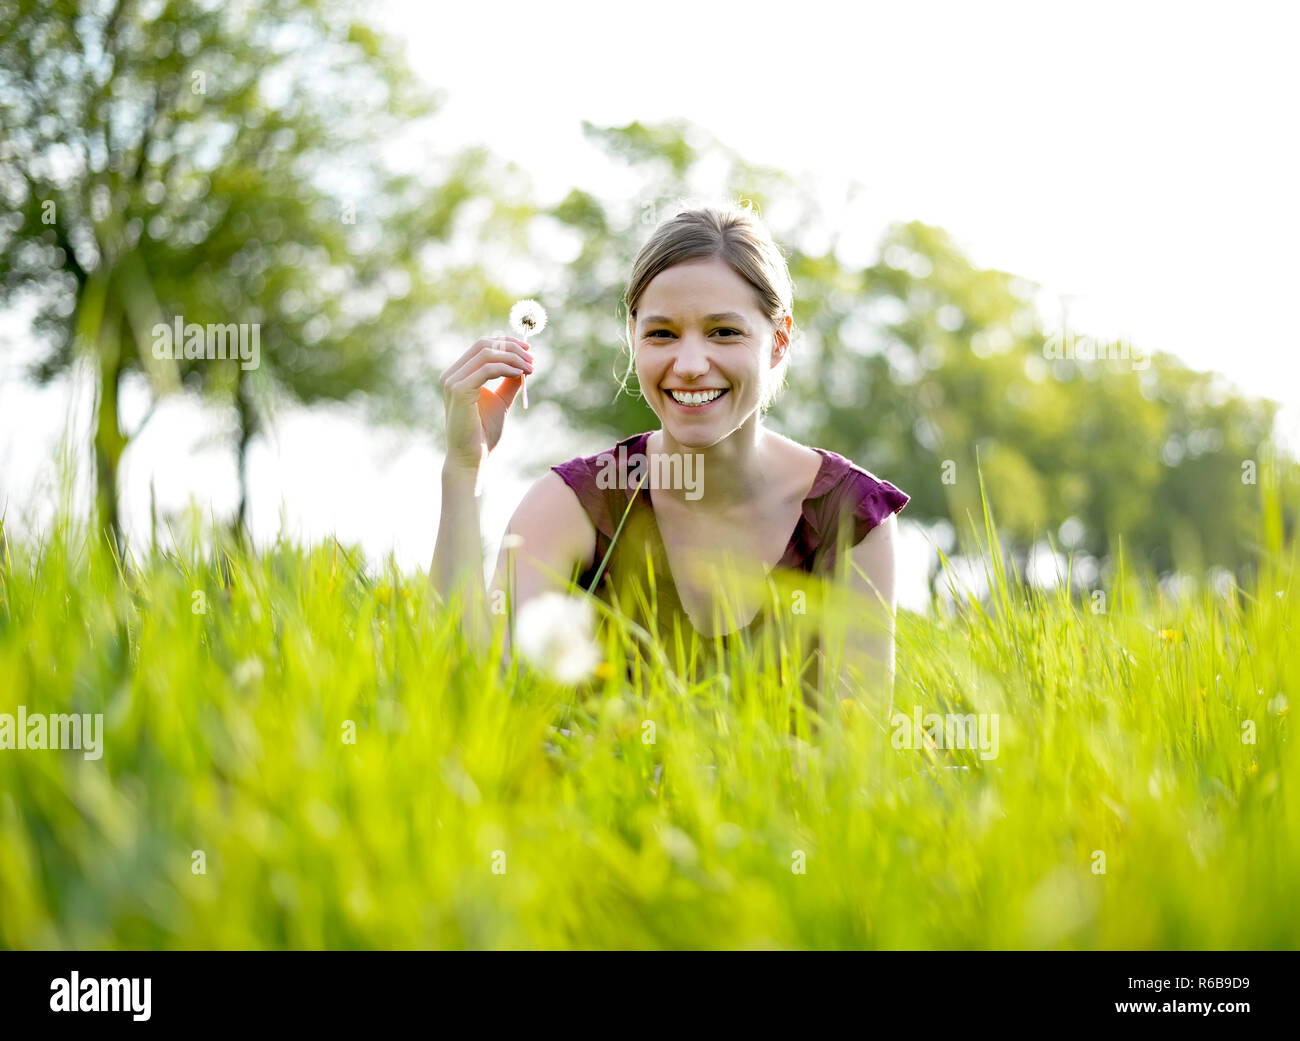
845 490
613 455
842 473
594 477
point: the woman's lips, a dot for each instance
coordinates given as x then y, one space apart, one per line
699 408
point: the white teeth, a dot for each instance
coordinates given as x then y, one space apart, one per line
698 398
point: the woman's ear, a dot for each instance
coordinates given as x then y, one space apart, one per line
781 337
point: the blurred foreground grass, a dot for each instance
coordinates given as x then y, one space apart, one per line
457 818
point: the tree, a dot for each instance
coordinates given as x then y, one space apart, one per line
220 165
921 364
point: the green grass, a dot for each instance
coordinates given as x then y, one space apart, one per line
460 819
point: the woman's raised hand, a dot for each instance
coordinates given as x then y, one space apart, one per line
476 415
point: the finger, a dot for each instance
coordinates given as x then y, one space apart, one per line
472 384
488 358
499 349
508 389
470 351
519 347
474 381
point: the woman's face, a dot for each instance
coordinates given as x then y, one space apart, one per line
698 328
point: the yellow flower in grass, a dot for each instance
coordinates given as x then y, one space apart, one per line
1168 635
384 594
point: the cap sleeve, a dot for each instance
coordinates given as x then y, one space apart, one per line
855 503
873 501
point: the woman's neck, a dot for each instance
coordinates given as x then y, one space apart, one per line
732 472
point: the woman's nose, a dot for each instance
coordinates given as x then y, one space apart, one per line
692 359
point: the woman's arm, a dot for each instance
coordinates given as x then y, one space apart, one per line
458 553
557 536
867 663
476 416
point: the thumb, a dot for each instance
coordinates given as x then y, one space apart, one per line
509 387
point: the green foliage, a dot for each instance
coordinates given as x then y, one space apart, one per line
182 150
922 358
1119 731
223 163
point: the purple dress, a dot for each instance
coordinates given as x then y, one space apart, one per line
844 500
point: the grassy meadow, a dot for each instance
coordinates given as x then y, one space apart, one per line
297 754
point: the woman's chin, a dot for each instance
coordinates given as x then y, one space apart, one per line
696 438
703 431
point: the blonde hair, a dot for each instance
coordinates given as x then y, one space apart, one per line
735 233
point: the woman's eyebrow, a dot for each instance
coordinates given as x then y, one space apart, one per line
720 316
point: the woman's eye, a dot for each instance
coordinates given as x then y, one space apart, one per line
726 332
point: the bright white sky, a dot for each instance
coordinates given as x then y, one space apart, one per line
1138 160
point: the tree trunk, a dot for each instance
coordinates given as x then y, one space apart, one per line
246 421
109 440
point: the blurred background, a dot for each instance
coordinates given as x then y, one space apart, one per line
1061 238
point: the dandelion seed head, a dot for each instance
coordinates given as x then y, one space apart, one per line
554 633
248 672
527 318
678 845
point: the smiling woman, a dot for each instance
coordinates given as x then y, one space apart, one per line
716 566
710 326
